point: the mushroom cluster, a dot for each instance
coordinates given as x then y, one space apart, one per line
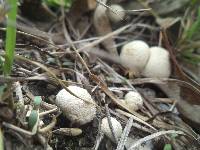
80 110
151 62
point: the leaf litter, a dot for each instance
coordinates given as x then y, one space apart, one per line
168 117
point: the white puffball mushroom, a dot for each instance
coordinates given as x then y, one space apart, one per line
133 100
116 14
75 109
135 55
117 128
122 101
158 64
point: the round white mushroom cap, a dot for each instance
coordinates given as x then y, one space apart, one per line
158 64
116 14
117 128
135 55
133 100
75 109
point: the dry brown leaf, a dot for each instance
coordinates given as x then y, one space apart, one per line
79 7
103 27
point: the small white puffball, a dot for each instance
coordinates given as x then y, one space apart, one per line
135 55
122 101
117 128
133 100
76 110
116 14
158 64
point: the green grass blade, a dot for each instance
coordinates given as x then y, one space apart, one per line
58 3
10 37
195 28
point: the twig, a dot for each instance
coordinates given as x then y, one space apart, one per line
134 124
48 112
136 118
142 128
48 127
136 10
13 127
68 131
100 138
103 38
124 135
154 135
110 123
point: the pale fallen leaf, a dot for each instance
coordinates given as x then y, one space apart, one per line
103 27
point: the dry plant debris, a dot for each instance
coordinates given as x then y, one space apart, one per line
69 84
